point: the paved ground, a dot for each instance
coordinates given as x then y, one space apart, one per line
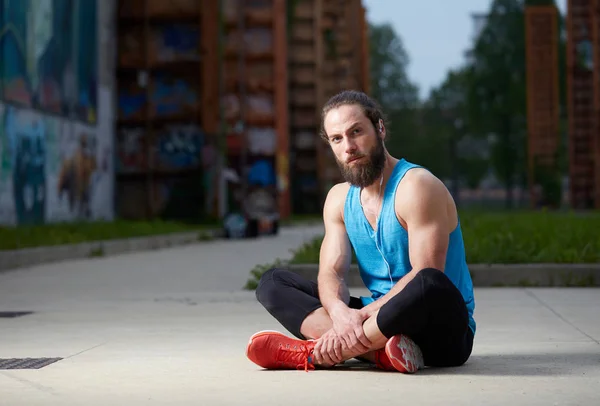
170 327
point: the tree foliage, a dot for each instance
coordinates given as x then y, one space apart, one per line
393 89
389 62
485 99
497 88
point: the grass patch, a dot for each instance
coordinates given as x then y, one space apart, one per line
259 270
503 237
302 219
74 233
96 252
531 237
515 238
23 236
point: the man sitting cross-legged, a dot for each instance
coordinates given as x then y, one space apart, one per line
403 226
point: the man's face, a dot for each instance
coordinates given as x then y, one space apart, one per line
358 149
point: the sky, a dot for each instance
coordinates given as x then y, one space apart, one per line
435 33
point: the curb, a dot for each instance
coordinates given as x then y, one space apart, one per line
499 275
14 259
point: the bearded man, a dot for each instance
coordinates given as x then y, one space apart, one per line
402 224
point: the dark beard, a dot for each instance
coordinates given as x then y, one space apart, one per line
364 174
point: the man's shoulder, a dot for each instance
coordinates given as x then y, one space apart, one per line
424 198
418 179
418 187
338 192
336 198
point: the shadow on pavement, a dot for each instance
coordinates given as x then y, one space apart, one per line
550 364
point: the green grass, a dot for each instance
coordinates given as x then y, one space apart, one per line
508 238
73 233
79 232
302 219
515 237
532 237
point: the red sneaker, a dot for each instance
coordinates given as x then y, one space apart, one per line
382 361
274 350
404 354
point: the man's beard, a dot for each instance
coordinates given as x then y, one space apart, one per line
363 174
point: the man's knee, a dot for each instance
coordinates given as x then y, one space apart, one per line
265 284
432 279
268 284
431 275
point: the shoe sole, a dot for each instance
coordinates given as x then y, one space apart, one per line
410 359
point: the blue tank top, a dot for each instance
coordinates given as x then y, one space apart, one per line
384 261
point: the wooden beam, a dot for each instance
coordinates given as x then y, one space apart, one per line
282 106
365 50
579 84
543 104
595 16
209 23
319 90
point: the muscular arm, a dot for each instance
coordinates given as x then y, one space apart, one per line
335 254
421 203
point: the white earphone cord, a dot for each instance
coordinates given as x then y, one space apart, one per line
377 230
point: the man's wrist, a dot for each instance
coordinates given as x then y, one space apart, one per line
367 311
336 308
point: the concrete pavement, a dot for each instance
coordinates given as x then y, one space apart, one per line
170 327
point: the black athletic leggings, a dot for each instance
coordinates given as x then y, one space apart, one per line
430 310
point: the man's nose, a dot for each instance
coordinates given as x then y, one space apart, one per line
350 145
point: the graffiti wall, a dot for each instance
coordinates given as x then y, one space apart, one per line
52 169
49 55
55 158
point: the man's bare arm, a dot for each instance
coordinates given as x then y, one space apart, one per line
422 204
335 254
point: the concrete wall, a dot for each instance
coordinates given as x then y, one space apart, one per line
56 110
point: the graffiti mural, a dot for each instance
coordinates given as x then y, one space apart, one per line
16 86
52 169
24 135
132 100
36 43
55 154
262 174
131 156
75 176
80 167
46 66
175 43
7 201
103 201
173 96
179 147
87 60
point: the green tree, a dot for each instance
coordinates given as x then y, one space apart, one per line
389 62
449 146
431 146
497 88
391 86
497 103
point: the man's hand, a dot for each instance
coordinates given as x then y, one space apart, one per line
328 349
346 335
348 325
